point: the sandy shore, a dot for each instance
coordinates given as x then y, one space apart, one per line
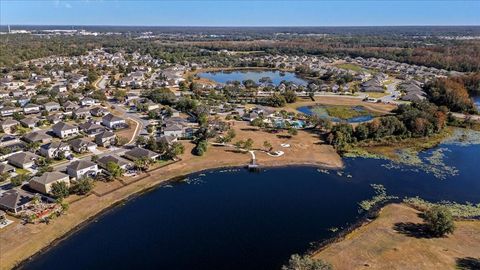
381 245
19 242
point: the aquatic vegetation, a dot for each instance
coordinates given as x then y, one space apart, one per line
463 137
467 210
434 163
380 196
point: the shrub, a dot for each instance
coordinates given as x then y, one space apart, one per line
298 262
439 221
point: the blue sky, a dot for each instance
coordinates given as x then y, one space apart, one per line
240 13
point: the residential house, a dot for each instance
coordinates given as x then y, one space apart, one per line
82 145
37 137
8 140
6 168
174 130
23 160
54 118
15 200
64 130
82 113
69 106
87 101
51 106
8 126
82 168
105 139
91 128
137 153
123 163
99 111
29 122
44 183
8 111
113 122
31 108
55 150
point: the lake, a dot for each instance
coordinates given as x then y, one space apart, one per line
240 75
476 100
234 219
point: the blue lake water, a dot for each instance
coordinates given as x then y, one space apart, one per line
240 75
358 119
233 219
476 100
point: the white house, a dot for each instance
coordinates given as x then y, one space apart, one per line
64 130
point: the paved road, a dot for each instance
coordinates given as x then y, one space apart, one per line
393 93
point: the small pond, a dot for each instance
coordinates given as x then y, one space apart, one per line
275 76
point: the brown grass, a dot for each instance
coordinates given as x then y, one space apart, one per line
378 245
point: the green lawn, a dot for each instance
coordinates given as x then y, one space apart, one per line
353 67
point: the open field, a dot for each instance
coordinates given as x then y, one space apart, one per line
341 100
18 242
381 245
353 67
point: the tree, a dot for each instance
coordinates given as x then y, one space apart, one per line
290 96
292 131
60 190
439 221
82 186
248 144
142 163
268 146
18 180
298 262
120 95
174 150
114 169
200 148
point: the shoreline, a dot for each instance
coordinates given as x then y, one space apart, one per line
19 262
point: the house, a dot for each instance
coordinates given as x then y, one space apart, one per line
23 160
105 139
54 118
82 168
8 140
14 200
137 153
87 102
8 126
82 113
69 106
55 150
123 163
64 130
91 129
250 116
37 136
31 108
6 168
168 140
82 145
51 106
43 183
8 111
174 131
113 122
99 111
29 122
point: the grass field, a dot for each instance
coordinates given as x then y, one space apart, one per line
382 244
352 67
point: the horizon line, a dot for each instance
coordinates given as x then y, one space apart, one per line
249 26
